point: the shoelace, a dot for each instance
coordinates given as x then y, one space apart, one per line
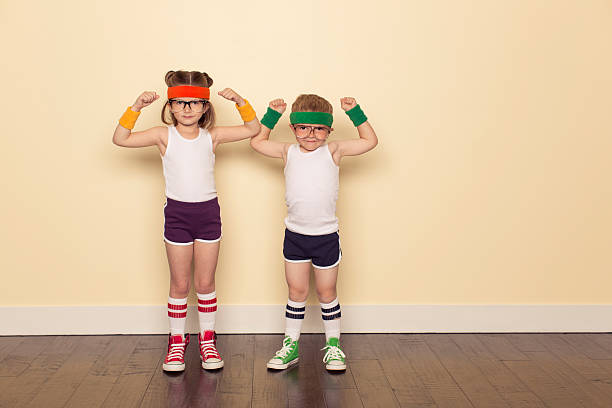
177 351
333 353
283 352
209 350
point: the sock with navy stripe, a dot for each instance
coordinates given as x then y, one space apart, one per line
330 312
294 317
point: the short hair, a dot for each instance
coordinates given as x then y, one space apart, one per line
311 103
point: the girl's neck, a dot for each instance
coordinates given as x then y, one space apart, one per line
188 131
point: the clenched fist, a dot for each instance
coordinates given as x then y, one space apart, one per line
230 95
278 105
347 103
144 100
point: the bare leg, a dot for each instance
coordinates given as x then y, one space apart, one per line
179 261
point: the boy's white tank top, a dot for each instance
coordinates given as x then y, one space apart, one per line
311 191
189 167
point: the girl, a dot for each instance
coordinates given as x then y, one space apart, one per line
192 223
311 234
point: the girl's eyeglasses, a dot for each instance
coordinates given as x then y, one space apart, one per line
197 106
320 132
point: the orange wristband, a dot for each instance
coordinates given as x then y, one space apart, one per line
128 120
247 113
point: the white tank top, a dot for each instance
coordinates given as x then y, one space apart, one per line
311 191
189 167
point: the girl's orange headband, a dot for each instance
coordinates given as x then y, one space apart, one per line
188 91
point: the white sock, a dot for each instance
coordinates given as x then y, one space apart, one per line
330 312
207 310
294 317
177 314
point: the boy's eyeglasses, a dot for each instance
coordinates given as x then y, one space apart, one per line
177 105
320 132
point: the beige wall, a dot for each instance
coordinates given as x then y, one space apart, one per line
491 182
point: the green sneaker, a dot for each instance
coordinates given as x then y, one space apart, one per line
286 356
334 357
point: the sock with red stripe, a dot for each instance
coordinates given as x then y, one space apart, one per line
330 312
207 310
177 314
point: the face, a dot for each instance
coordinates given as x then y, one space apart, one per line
310 137
188 111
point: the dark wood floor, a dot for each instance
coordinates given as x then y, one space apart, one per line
407 370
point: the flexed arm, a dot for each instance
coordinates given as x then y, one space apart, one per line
124 136
261 142
367 137
225 134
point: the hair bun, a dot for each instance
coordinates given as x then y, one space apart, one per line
209 80
168 77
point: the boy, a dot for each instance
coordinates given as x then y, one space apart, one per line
311 235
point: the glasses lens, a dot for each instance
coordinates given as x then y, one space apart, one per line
177 106
321 132
302 131
197 106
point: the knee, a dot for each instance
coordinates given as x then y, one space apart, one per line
179 288
205 285
326 295
298 294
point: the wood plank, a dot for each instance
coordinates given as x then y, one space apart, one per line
524 342
372 385
8 344
304 388
581 388
469 377
20 358
586 367
512 390
131 385
406 385
342 397
269 386
24 388
443 389
235 387
501 348
552 393
99 381
588 346
58 389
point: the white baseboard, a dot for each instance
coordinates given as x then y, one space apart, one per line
236 319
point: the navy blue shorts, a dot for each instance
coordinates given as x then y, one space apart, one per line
188 222
322 250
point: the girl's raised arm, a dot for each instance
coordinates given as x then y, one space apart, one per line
124 136
225 134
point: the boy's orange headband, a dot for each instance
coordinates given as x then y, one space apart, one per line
188 91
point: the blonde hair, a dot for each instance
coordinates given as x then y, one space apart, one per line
311 103
195 78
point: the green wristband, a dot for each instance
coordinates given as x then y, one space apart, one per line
270 118
356 115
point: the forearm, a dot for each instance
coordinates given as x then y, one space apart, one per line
121 135
367 134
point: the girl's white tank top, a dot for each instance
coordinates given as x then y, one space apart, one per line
189 167
311 191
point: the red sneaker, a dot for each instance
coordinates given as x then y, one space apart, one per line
175 359
208 351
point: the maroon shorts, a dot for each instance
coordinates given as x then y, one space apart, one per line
188 222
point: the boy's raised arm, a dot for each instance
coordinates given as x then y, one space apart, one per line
367 137
261 142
